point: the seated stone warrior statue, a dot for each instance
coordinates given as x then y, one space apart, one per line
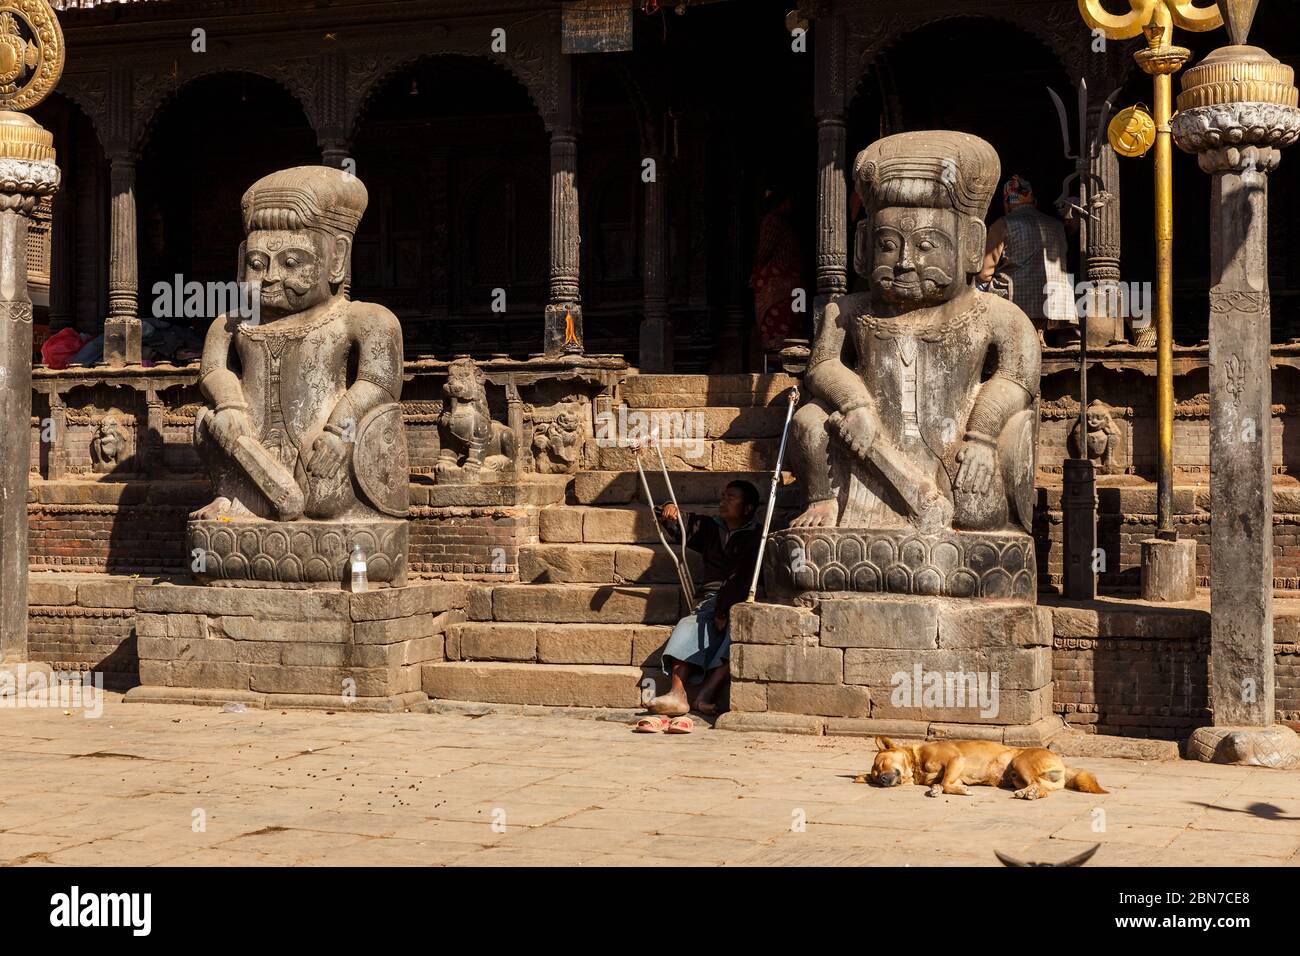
304 419
923 390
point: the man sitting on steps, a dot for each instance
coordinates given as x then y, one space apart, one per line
699 647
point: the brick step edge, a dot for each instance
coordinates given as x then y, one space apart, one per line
210 697
618 715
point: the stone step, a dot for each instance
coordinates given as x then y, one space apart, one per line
686 425
555 685
741 454
626 644
691 487
576 524
587 603
698 391
599 564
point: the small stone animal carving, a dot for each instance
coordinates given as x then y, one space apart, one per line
108 447
557 444
1103 437
472 445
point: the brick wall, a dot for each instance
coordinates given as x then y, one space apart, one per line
81 622
1140 671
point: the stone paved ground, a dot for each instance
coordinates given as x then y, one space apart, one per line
420 789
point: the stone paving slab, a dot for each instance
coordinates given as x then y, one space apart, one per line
157 784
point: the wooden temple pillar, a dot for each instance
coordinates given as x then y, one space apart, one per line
122 326
563 316
656 339
830 70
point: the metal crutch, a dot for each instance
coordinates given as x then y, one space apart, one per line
683 571
771 497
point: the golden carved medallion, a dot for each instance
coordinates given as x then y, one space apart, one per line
1132 132
31 53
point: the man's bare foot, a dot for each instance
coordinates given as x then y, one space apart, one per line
671 704
819 514
706 707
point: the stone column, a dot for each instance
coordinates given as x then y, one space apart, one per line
656 325
832 195
563 310
1235 113
122 327
27 172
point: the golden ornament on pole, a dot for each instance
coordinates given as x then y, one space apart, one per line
1132 132
1156 19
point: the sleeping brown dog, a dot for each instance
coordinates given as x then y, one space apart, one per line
949 766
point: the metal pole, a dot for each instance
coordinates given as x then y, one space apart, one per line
1164 308
771 496
683 574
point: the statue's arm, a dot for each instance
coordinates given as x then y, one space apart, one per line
217 381
1013 385
831 375
377 336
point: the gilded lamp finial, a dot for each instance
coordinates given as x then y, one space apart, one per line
1184 14
31 53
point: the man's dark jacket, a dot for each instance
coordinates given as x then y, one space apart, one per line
729 557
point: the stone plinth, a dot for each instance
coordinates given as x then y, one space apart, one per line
1168 570
910 666
301 551
291 647
901 561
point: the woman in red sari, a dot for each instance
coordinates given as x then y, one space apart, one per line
778 271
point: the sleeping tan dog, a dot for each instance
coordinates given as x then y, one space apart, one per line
949 766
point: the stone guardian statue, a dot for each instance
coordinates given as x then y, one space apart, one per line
916 444
302 433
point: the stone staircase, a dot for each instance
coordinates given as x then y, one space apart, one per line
597 596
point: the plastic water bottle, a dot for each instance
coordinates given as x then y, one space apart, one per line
359 581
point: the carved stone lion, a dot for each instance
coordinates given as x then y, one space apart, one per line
472 445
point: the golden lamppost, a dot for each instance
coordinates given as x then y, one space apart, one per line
31 61
1168 571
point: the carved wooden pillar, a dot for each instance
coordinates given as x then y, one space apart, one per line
656 325
563 318
832 196
331 93
61 263
122 327
563 311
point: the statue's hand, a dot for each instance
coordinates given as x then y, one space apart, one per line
857 429
976 472
227 426
328 452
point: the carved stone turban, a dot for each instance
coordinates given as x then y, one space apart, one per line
305 197
936 169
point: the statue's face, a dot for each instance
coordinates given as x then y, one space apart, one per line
294 269
915 258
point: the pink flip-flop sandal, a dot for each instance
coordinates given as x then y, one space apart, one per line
651 725
680 725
